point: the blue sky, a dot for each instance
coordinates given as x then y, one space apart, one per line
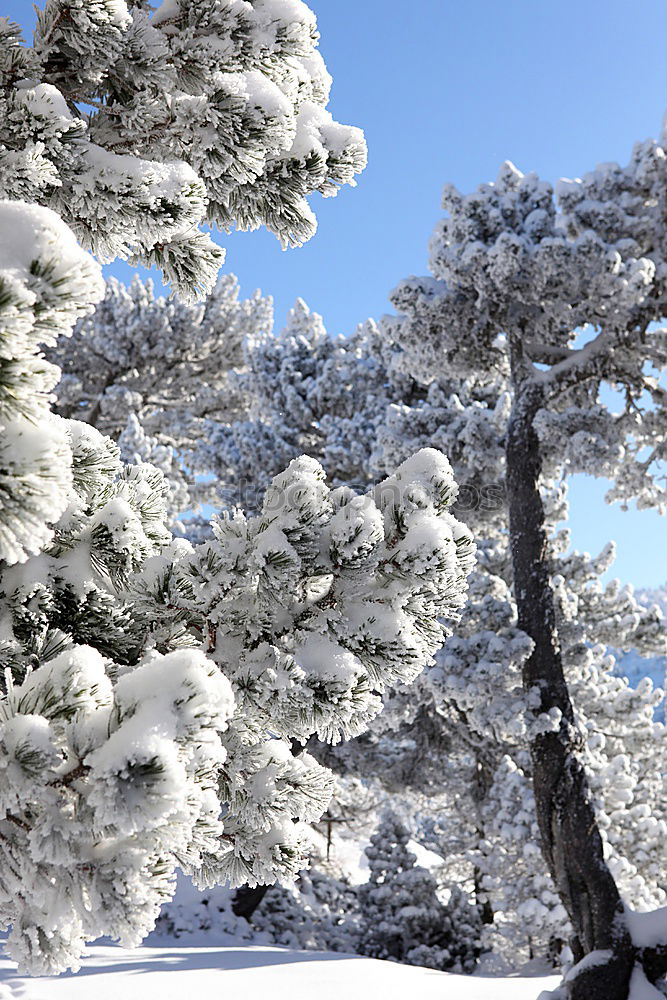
445 91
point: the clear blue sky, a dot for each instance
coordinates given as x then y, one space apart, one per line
445 91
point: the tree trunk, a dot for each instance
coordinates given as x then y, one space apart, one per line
482 783
571 841
246 900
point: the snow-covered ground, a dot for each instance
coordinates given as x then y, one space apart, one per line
254 973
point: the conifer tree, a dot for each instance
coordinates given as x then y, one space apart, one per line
138 126
307 391
459 734
154 373
106 778
153 690
320 912
516 277
402 918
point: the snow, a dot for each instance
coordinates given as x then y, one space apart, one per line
38 233
252 972
46 100
188 682
641 989
647 929
164 180
262 93
319 657
166 10
31 731
591 960
423 857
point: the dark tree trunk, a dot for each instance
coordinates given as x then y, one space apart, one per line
484 907
481 786
246 900
571 841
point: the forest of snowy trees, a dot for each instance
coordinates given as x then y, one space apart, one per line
294 617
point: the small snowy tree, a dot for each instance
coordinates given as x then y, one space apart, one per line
402 918
305 392
319 912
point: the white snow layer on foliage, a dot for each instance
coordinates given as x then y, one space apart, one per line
119 761
111 779
138 129
33 233
46 283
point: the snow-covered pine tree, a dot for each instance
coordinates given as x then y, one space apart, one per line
150 686
85 848
154 372
139 125
305 392
458 735
318 912
305 609
563 298
402 918
470 708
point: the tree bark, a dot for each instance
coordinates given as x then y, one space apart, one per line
571 842
246 900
